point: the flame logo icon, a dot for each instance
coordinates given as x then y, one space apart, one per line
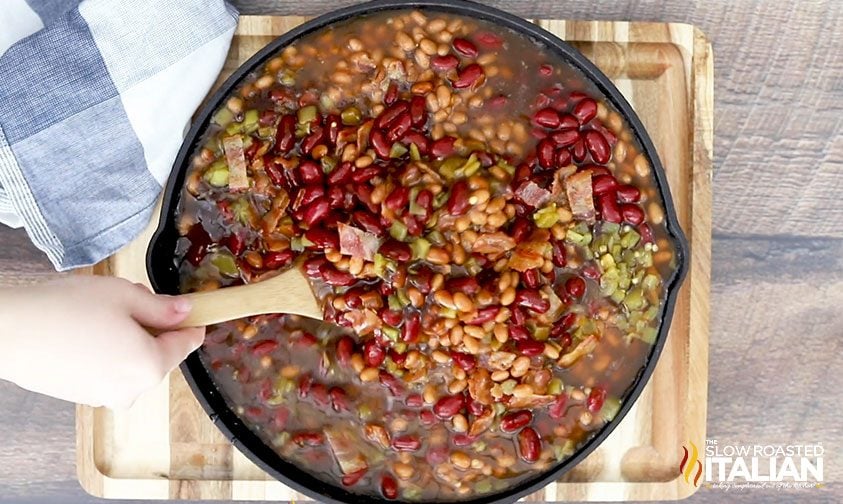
689 462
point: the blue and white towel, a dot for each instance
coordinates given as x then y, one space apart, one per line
95 98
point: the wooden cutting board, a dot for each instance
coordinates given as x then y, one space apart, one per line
166 447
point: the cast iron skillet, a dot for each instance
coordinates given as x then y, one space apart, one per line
163 272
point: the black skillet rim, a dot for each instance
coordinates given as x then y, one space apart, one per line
164 275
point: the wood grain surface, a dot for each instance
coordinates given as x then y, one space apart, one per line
777 278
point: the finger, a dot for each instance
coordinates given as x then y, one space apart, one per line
157 310
175 346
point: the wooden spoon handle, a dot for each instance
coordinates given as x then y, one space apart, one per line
289 292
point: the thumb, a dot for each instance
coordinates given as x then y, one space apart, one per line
175 346
157 310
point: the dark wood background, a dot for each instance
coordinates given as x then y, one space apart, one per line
777 278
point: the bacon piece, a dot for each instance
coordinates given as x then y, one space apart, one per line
578 189
236 159
358 243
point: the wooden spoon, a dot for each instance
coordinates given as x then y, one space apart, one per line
288 292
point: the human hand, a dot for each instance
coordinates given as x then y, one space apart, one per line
82 339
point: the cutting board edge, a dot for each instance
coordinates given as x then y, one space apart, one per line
688 38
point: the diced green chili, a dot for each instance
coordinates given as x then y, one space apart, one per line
397 150
398 231
307 114
226 264
546 217
351 116
420 248
217 174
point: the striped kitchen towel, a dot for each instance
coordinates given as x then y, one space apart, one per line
95 98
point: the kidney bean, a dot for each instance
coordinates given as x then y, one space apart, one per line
565 138
332 276
337 198
518 317
556 410
484 315
444 63
646 233
545 153
378 140
397 358
373 354
609 209
511 422
280 95
465 47
632 213
468 76
389 488
518 332
391 93
312 140
602 184
316 211
466 361
422 280
545 70
532 300
319 394
397 199
339 400
410 329
393 384
578 150
323 238
264 347
305 384
399 127
595 399
285 136
427 417
558 253
391 114
476 408
596 170
567 121
497 102
538 133
366 174
391 317
421 141
199 243
575 287
520 229
529 445
312 265
546 118
628 194
280 418
414 401
531 278
448 406
585 110
345 348
467 285
458 200
235 243
530 347
351 479
407 443
562 157
307 195
341 174
489 40
418 112
463 439
276 260
308 439
415 225
598 147
396 250
443 147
